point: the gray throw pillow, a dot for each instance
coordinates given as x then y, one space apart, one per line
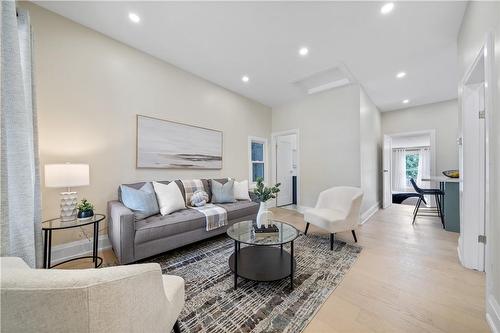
222 193
142 201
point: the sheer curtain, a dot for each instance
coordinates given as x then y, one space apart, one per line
20 197
399 170
424 171
424 167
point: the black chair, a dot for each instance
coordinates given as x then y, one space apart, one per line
437 193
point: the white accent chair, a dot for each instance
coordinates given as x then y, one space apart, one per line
133 298
337 210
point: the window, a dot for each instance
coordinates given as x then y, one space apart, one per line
257 154
411 166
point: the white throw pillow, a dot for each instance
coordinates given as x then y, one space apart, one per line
241 190
169 197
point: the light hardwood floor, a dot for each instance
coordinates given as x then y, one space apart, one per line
407 279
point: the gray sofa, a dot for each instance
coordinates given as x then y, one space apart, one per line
134 240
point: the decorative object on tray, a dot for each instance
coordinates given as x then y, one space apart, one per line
451 173
272 228
167 144
199 198
85 210
264 194
67 176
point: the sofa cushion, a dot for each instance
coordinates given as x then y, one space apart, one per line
141 201
141 184
157 226
208 187
169 197
222 193
238 209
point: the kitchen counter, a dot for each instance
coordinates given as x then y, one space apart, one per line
450 203
440 179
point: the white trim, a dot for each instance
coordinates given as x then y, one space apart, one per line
77 248
274 137
251 139
493 314
365 216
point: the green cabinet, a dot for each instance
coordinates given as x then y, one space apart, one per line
451 205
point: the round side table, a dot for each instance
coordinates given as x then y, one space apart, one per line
57 224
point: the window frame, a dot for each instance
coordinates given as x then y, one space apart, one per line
265 161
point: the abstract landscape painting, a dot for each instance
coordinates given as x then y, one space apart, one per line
167 144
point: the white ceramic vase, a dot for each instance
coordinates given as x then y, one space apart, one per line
262 215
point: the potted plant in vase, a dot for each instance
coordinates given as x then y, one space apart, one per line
264 194
85 209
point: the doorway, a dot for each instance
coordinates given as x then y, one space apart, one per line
473 162
407 155
286 169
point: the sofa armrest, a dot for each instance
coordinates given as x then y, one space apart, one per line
121 231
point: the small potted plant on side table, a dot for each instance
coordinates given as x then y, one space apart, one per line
264 194
85 210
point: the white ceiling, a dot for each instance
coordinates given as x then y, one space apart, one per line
221 41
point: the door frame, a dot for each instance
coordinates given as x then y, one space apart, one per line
432 134
274 164
481 261
487 54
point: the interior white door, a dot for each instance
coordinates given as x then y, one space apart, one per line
284 169
472 188
387 151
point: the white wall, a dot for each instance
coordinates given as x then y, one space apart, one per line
410 141
89 90
479 19
329 139
442 117
371 152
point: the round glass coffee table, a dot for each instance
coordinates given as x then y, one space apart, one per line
262 260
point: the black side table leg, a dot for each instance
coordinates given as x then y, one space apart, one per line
49 249
96 243
45 244
291 265
235 265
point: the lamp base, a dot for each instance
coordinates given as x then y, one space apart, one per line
69 201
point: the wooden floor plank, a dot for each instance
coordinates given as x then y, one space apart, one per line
407 279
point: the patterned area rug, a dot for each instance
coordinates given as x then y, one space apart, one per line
212 305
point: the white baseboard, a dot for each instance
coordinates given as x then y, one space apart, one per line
493 314
77 248
369 212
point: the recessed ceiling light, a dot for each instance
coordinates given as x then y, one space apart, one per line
387 8
245 78
303 51
134 17
406 101
401 75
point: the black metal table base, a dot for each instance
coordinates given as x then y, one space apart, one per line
262 263
47 249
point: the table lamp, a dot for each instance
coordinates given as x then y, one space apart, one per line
67 175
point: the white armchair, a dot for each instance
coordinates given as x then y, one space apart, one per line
134 298
337 210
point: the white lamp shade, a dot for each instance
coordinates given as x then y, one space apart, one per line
66 175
